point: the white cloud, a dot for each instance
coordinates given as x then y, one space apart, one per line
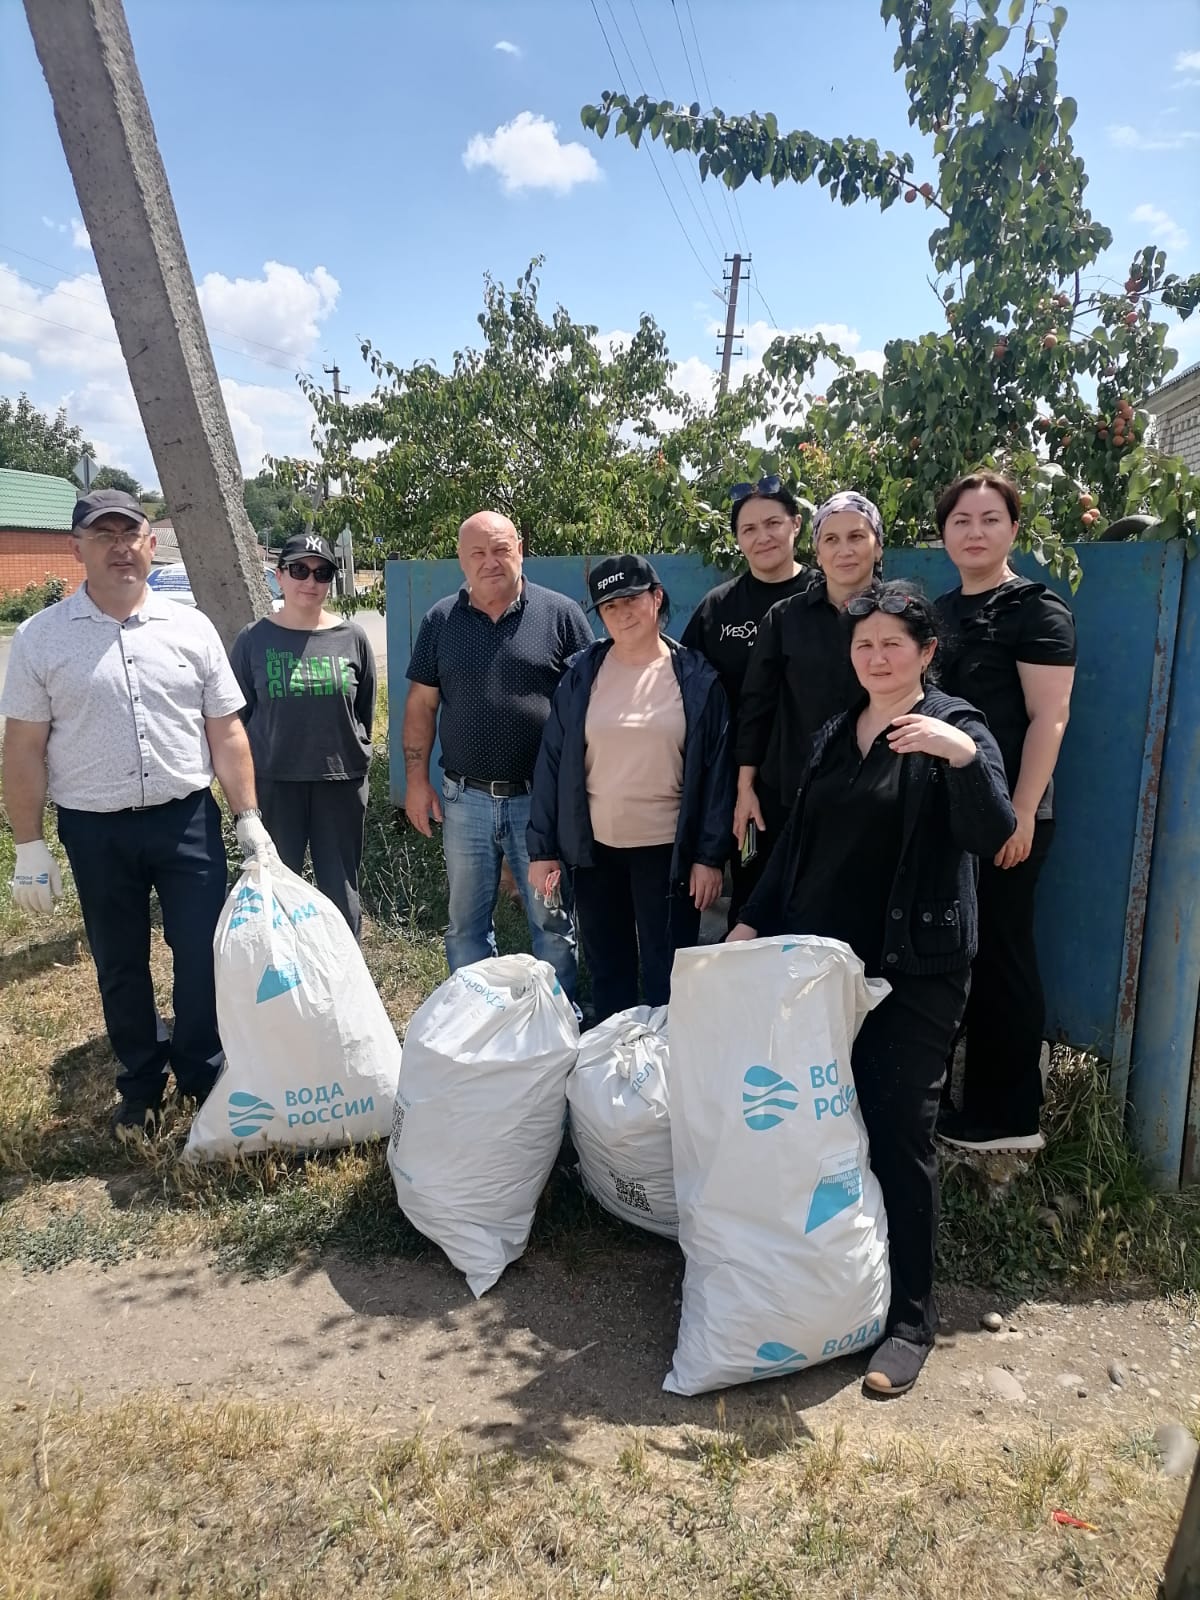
63 343
76 229
527 155
65 327
1185 61
283 309
13 369
266 421
506 47
1163 228
1126 137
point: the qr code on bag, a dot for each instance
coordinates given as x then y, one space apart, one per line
397 1121
630 1192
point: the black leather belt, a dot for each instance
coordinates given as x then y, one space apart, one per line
498 788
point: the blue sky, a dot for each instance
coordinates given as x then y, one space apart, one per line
384 154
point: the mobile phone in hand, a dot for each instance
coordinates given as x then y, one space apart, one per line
750 844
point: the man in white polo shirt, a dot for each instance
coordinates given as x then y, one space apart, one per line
121 705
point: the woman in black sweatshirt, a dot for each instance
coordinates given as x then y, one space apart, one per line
901 794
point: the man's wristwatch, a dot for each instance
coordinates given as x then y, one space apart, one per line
250 811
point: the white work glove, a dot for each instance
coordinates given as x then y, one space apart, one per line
36 880
253 839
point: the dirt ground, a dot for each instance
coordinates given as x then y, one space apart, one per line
564 1355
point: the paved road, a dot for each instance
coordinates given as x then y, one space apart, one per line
373 623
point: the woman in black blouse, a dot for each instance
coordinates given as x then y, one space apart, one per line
897 800
1010 650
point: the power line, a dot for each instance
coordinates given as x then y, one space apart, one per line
775 322
662 83
86 333
67 273
84 300
714 244
737 205
648 150
721 184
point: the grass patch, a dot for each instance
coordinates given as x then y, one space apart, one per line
170 1497
1083 1215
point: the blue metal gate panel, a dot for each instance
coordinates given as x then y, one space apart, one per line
1092 895
1170 976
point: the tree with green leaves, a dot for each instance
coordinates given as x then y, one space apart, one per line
586 449
1034 364
30 441
115 478
276 511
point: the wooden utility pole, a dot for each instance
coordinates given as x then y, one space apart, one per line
726 352
108 139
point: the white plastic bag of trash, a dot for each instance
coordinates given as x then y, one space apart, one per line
620 1118
480 1110
780 1217
311 1057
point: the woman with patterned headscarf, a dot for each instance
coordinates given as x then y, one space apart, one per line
799 674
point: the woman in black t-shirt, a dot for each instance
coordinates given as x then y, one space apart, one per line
308 676
1010 650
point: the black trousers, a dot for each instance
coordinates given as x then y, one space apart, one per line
745 876
626 907
899 1062
117 858
1005 1020
327 819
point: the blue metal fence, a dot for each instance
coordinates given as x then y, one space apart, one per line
1119 905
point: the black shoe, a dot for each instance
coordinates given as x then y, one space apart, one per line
133 1124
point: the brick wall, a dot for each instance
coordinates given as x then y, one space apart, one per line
27 556
1177 422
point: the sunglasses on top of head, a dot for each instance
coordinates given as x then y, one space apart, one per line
769 485
892 605
300 570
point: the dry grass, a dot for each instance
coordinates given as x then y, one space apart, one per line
168 1498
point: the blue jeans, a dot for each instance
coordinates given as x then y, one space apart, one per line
477 833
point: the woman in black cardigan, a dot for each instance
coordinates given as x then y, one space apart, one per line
880 852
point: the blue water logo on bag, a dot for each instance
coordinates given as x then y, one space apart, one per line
834 1192
777 1358
247 903
764 1097
276 981
248 1114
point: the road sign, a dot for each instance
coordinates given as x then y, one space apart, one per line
85 471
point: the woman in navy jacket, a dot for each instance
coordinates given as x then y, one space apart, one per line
881 853
633 790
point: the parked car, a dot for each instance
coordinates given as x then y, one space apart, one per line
171 580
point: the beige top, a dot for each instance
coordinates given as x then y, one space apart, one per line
635 731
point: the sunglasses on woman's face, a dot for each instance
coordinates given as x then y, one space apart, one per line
743 491
300 570
892 605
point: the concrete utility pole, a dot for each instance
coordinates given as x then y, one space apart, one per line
338 391
733 277
108 138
